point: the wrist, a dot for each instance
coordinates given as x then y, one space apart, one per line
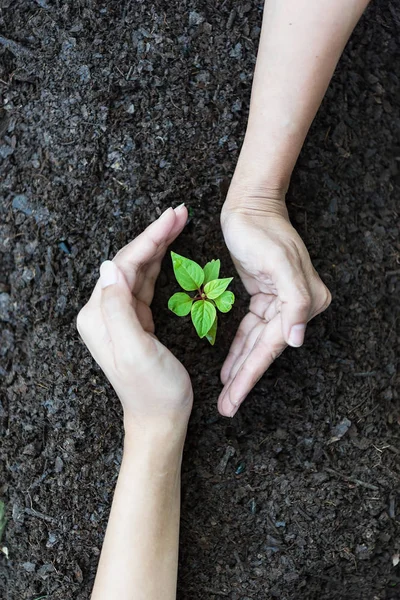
161 432
264 159
254 196
259 185
152 455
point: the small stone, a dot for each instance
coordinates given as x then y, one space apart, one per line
18 514
229 452
340 430
84 74
195 18
236 52
21 203
65 247
131 109
5 306
237 106
58 465
78 574
45 570
5 151
30 449
28 275
29 567
240 468
51 541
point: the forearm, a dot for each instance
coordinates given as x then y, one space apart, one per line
140 552
300 45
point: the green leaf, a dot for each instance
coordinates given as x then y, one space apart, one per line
188 273
203 316
215 288
180 304
212 334
211 270
225 301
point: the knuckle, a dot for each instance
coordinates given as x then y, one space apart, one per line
324 299
303 300
82 320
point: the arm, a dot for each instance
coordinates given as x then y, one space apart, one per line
140 552
139 558
300 45
301 42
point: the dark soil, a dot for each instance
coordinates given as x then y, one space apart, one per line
113 111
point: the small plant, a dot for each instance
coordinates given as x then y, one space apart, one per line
211 293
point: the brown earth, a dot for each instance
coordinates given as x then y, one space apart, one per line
112 111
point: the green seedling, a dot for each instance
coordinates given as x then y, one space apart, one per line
210 294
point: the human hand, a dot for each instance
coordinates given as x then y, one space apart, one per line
118 329
286 291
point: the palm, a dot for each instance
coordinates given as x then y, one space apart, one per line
140 263
276 270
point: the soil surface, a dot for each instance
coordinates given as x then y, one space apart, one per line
111 112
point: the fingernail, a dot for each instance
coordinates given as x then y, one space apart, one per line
164 213
296 337
108 273
178 208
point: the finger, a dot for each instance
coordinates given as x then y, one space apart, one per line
262 307
117 306
268 346
131 258
235 350
248 346
150 274
265 306
294 293
147 247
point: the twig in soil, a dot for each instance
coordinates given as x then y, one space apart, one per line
39 480
15 48
368 486
34 513
365 374
215 592
229 452
392 506
239 562
390 273
231 19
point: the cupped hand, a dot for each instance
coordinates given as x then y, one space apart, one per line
117 327
286 291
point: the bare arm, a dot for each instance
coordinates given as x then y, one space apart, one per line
140 552
139 559
300 45
301 42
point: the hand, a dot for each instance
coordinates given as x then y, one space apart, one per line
286 291
117 327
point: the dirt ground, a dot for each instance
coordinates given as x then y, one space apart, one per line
111 112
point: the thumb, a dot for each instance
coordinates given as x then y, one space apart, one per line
294 293
118 309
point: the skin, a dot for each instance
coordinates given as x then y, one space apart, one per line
300 45
140 551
